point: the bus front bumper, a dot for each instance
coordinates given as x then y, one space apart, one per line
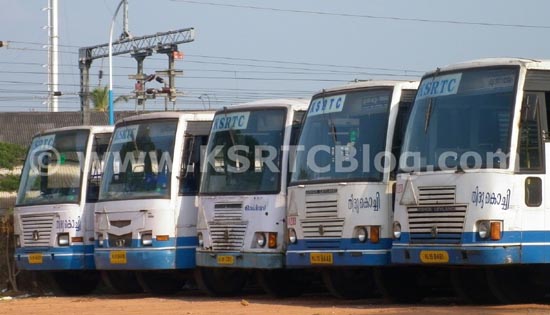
240 260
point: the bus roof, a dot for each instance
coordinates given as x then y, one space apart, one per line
92 128
294 103
492 62
185 115
404 84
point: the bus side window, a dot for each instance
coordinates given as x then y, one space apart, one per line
399 132
99 147
530 133
294 134
191 164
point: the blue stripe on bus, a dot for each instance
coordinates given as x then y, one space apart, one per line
77 257
176 253
345 252
526 247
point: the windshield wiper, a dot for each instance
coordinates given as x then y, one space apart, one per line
428 114
231 131
332 129
431 104
331 125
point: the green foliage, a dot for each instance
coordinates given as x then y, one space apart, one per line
11 155
9 183
100 98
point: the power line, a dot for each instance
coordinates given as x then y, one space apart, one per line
391 18
257 60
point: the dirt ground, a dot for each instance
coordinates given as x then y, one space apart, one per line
194 303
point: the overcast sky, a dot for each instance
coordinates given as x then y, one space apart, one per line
246 50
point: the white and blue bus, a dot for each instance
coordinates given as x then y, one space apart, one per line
242 201
55 203
340 192
145 219
472 179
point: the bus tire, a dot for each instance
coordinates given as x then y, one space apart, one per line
121 281
161 282
399 284
350 283
282 283
514 284
73 283
221 281
471 286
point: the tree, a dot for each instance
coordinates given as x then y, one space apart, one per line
100 98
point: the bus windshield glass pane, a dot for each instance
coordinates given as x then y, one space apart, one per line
53 168
139 161
461 120
341 136
244 152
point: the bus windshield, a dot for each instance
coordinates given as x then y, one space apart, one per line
53 169
341 136
244 152
461 120
139 161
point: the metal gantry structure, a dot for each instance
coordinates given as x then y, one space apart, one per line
139 48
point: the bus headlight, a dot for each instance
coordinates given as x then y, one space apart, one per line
147 238
17 241
396 228
260 238
361 234
292 236
100 239
63 239
200 239
483 229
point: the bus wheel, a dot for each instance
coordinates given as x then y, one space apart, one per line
76 282
221 281
471 286
282 283
161 282
514 284
399 284
121 281
350 283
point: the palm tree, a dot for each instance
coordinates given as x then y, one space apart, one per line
100 98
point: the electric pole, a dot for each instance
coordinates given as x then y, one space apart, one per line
53 57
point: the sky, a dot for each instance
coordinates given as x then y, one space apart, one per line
247 50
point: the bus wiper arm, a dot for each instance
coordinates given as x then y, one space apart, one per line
428 115
333 130
231 131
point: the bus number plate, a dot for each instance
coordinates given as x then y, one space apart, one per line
434 256
225 260
321 259
35 258
118 257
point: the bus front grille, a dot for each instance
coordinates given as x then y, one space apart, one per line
316 228
124 240
37 229
227 236
436 224
436 195
321 203
228 211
